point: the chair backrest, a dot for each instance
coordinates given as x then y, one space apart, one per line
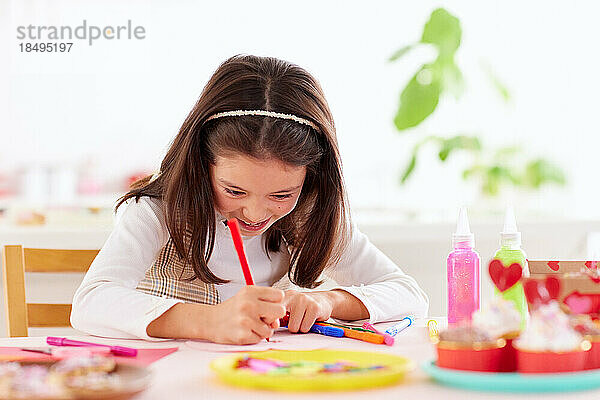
17 260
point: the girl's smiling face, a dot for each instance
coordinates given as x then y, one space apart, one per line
256 192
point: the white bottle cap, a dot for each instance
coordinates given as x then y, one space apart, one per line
509 235
463 231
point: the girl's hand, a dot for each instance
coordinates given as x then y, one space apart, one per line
306 308
248 317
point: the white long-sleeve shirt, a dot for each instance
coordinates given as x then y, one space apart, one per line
108 304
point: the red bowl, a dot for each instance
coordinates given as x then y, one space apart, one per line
531 362
476 356
593 356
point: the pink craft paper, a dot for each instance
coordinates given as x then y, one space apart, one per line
144 356
15 354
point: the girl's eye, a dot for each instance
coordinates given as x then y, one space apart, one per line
234 192
282 196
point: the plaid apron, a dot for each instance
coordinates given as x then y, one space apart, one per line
166 278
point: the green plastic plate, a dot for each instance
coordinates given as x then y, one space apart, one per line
514 382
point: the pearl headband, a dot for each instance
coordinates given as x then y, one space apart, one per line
264 113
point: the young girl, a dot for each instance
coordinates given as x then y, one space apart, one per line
259 146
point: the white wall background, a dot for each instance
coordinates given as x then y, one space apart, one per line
118 104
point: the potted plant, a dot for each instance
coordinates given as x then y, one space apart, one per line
493 168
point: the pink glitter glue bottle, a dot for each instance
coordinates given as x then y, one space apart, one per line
464 273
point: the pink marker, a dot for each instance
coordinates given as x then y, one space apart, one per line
116 350
387 339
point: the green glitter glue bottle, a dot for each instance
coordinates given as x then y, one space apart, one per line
510 252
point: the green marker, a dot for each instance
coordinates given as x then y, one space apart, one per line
511 252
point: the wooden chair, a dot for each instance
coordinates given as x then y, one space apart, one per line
18 260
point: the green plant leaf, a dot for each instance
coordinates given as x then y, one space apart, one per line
409 168
505 153
540 171
419 98
400 52
474 170
460 142
495 176
501 89
413 160
452 79
495 81
503 173
443 30
491 185
492 177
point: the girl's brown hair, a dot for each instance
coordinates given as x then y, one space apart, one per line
318 228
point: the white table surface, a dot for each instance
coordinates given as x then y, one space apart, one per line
185 374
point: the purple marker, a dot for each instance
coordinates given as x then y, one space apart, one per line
116 350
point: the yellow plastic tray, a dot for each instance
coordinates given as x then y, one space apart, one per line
397 367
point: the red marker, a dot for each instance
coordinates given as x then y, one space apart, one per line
239 248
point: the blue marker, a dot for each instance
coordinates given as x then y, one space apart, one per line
399 327
327 330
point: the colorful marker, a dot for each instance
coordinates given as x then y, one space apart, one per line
399 327
356 328
364 335
323 329
116 350
387 339
327 330
336 330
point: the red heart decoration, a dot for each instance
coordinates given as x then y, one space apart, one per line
505 278
595 279
591 264
531 292
541 292
578 303
552 285
553 265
